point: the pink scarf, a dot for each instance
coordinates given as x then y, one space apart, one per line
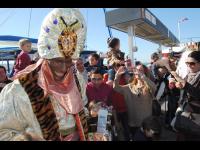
66 92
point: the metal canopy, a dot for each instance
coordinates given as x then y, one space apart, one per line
14 40
8 53
146 25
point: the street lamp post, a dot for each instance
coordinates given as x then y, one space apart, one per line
179 30
29 22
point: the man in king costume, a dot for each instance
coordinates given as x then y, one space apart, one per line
44 101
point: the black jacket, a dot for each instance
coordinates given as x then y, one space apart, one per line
192 97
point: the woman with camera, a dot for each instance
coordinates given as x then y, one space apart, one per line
138 97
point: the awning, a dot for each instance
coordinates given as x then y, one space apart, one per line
8 53
147 26
10 40
12 49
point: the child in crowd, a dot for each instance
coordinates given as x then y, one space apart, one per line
114 54
23 60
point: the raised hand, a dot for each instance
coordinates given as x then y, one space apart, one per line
120 71
176 76
180 82
179 85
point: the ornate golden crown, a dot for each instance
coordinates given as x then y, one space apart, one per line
67 41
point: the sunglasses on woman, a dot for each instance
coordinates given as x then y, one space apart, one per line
191 63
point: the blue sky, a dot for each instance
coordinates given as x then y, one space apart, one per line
14 21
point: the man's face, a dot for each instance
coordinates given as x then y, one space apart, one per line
154 58
92 61
2 75
59 67
26 47
79 65
96 79
161 72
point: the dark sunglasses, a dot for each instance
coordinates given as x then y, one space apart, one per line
191 63
96 79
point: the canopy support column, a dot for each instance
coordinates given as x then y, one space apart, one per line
130 43
131 36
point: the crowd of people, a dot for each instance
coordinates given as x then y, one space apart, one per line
52 97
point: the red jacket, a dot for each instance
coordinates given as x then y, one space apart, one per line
23 60
118 100
103 93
